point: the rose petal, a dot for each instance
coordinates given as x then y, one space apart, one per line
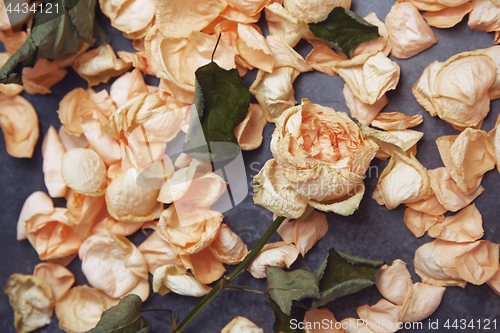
448 17
485 16
129 16
394 282
228 247
84 171
321 317
285 56
59 278
390 121
364 113
70 141
280 22
40 78
241 324
276 254
378 44
75 105
249 131
313 10
355 326
478 264
52 152
252 46
403 142
172 278
431 206
157 252
204 266
128 86
384 313
37 203
465 226
420 222
322 58
102 143
424 299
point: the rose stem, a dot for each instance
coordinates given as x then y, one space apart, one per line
233 275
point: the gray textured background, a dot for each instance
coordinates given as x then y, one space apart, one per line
372 232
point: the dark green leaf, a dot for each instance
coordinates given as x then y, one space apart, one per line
285 287
125 317
221 101
282 322
344 30
342 274
53 35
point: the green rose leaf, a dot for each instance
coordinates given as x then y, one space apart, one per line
125 317
281 321
342 274
285 287
55 34
344 30
221 100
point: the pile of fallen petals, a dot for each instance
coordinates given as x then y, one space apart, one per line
95 158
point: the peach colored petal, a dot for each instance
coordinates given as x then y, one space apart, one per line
431 267
369 75
274 91
409 34
403 142
465 226
253 48
314 322
280 22
75 105
424 299
84 171
37 203
58 277
99 65
11 89
228 247
390 121
447 191
204 266
485 16
249 131
233 14
305 234
157 252
479 264
420 222
174 278
52 236
130 203
382 317
19 123
92 211
448 17
189 238
431 206
101 142
52 152
81 309
404 180
352 325
129 16
363 112
241 324
138 59
394 282
322 58
311 11
128 86
112 264
285 56
427 5
40 78
494 282
378 44
251 7
12 41
70 141
276 254
68 59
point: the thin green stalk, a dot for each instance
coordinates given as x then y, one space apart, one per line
234 274
242 288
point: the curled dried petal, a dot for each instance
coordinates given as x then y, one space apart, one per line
364 113
52 152
485 15
253 48
276 254
128 86
409 34
204 266
37 203
355 326
285 25
101 142
129 16
19 124
40 78
394 282
424 299
448 17
494 282
285 56
173 278
315 316
228 247
32 301
157 252
478 264
249 131
81 309
465 226
384 313
390 121
322 58
402 141
378 44
431 206
241 324
75 105
311 11
84 171
59 278
420 222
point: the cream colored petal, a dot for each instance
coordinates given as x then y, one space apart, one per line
275 192
204 266
32 301
401 141
424 300
322 58
40 78
311 11
274 91
130 203
465 226
315 320
249 131
81 309
355 326
280 22
378 44
391 121
59 278
285 56
173 278
386 314
241 325
404 180
129 16
192 237
112 264
251 7
494 53
485 16
364 113
369 75
19 123
37 203
52 152
409 34
423 89
394 282
273 255
428 266
478 264
420 222
157 252
228 247
71 141
99 65
127 86
84 171
447 191
345 206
